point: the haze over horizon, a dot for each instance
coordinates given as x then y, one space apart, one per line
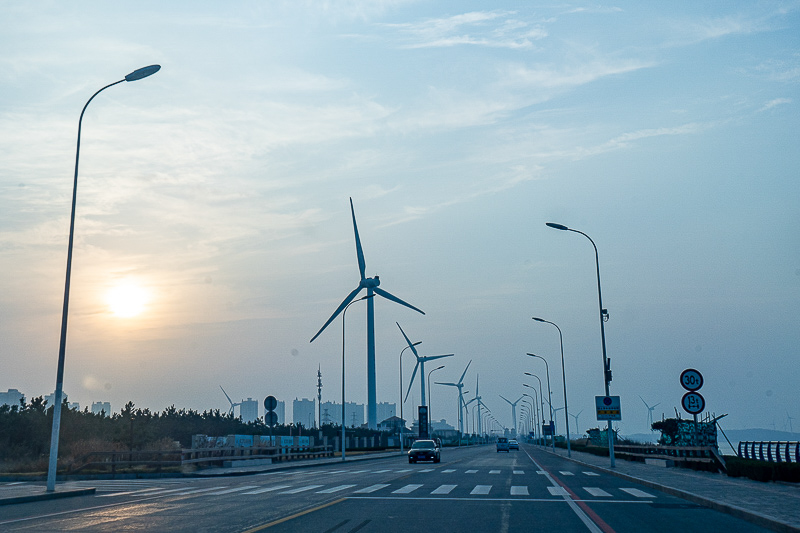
213 235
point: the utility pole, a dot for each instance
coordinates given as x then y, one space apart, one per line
319 394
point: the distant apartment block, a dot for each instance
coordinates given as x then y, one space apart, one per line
101 407
304 412
354 413
11 397
51 398
249 410
280 410
385 410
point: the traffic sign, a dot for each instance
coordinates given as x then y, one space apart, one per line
270 403
608 407
691 379
693 403
422 417
271 418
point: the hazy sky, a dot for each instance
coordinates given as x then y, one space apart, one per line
217 190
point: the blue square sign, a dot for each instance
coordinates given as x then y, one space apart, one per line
608 408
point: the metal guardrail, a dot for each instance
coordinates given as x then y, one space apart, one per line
128 459
687 454
770 451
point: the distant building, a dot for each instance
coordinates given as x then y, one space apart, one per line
11 397
304 412
385 410
101 407
248 410
441 425
353 412
391 424
280 410
51 399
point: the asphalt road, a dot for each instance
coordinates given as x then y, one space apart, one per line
472 490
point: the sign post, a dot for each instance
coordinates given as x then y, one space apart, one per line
270 416
423 421
692 402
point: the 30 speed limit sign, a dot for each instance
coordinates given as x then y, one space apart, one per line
691 379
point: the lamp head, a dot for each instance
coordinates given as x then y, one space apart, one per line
143 72
537 319
556 226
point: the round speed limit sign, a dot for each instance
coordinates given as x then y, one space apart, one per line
693 403
691 379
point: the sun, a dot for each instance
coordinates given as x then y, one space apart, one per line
128 299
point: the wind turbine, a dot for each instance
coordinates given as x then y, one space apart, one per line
576 421
477 398
421 360
649 412
460 386
513 412
371 284
230 401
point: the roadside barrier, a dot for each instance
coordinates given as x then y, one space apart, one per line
770 451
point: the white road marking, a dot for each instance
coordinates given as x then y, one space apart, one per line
471 472
565 473
591 473
335 489
638 493
382 471
444 489
267 489
448 471
228 491
519 490
197 491
494 471
542 472
407 489
558 491
519 471
300 489
427 470
404 470
372 488
145 492
481 489
594 491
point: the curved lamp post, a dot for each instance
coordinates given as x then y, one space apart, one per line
603 318
532 410
402 421
549 397
59 393
430 420
563 379
541 398
344 314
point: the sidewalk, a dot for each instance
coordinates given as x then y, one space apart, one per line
771 505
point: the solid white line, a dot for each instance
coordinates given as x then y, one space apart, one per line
229 491
267 489
300 489
371 488
404 470
557 491
519 490
444 489
197 491
595 491
140 492
335 489
382 471
638 493
494 471
407 489
481 489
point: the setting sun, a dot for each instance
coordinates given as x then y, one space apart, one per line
127 299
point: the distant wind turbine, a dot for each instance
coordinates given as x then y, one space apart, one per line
649 412
230 401
577 427
421 360
513 411
371 284
461 406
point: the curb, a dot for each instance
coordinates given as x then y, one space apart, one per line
290 466
738 512
46 496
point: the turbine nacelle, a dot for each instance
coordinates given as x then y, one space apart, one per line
370 283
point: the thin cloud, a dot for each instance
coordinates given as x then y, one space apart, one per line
776 102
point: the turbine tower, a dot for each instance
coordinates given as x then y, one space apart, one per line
576 422
230 401
477 398
421 360
371 284
460 386
513 412
649 412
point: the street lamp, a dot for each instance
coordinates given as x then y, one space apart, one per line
402 421
532 410
549 398
51 471
563 378
344 314
430 419
603 318
541 398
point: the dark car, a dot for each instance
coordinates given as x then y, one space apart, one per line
424 450
513 444
502 444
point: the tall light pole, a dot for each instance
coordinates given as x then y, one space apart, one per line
532 410
563 379
430 420
603 318
403 422
541 399
549 398
344 314
59 393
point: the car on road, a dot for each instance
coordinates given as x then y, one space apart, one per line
502 444
425 450
513 444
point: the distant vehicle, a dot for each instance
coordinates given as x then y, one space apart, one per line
513 444
424 450
502 444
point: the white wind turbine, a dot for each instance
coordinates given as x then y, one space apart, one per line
371 284
649 412
421 360
230 401
513 411
577 426
461 405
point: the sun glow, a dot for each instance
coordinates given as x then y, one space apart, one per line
127 299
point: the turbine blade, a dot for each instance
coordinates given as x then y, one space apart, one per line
344 303
432 357
450 384
396 299
504 398
226 395
412 380
461 380
362 265
410 344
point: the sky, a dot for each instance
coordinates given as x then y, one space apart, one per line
213 232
